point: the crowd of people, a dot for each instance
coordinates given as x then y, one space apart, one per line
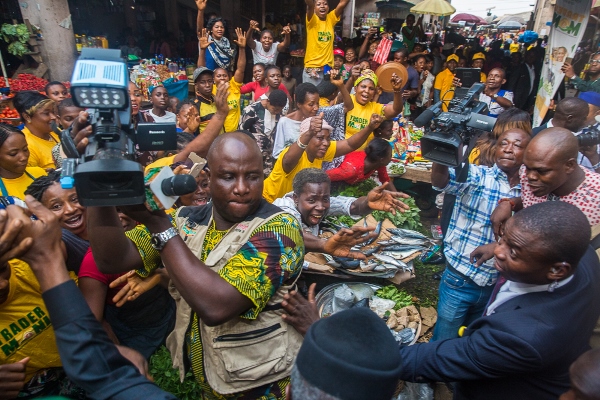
88 294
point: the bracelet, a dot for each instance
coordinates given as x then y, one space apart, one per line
596 166
301 145
398 91
512 203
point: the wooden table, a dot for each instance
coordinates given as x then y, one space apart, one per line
414 175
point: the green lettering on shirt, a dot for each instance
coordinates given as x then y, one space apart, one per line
324 36
24 323
41 325
39 312
6 334
14 328
10 347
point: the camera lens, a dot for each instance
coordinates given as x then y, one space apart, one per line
591 138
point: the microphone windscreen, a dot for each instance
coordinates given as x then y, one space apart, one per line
178 185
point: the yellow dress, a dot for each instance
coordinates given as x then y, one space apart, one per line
40 150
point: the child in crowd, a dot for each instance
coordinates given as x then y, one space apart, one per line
159 97
56 91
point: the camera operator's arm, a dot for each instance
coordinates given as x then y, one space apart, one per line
202 142
440 176
503 101
591 153
107 238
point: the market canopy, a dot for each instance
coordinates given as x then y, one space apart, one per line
514 17
469 18
510 25
434 7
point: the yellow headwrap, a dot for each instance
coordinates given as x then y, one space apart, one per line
31 110
366 74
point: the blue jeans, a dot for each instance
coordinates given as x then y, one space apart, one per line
460 302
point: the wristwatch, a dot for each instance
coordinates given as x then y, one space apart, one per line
159 240
495 95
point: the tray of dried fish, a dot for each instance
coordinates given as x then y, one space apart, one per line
390 253
405 323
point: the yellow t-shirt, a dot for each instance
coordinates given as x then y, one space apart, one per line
319 43
443 83
161 162
358 118
206 110
16 187
40 150
232 121
483 77
278 183
25 328
474 156
514 47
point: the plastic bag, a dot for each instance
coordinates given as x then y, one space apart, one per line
416 391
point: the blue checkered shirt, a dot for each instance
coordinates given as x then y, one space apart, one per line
470 225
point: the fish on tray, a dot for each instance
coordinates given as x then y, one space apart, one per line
407 233
390 261
399 255
409 241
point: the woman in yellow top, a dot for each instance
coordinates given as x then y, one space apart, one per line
309 151
365 86
319 38
37 111
15 175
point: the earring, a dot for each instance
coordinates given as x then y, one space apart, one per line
552 286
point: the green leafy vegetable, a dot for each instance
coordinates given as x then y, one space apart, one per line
167 378
358 190
397 169
391 292
407 220
16 36
341 220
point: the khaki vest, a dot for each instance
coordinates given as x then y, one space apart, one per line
240 354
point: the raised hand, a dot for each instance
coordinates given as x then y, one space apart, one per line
336 78
372 31
204 39
568 70
384 200
316 124
221 98
286 30
12 243
396 81
241 38
341 243
134 286
254 25
300 312
375 121
355 71
201 4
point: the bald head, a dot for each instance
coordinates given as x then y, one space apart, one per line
571 113
555 143
231 143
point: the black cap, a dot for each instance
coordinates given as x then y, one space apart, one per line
351 355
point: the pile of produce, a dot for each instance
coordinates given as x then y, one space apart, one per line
26 82
401 316
8 112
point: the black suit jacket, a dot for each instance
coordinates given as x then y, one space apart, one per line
519 84
537 130
523 350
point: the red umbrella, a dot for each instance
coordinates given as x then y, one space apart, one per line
470 18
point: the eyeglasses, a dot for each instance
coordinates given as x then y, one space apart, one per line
594 61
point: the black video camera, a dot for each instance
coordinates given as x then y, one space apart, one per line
447 134
107 174
589 136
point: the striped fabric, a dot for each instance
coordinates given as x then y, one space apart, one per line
383 51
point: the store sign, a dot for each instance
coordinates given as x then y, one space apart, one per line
568 26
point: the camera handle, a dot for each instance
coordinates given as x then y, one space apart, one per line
68 144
